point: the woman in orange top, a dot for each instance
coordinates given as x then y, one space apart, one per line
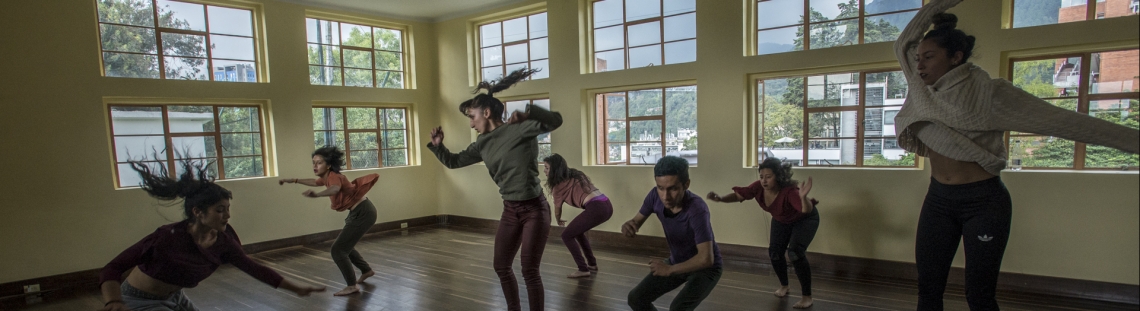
345 195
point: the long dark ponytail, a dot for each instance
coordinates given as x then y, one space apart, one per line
194 186
488 100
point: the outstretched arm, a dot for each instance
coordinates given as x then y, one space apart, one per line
1016 110
537 121
911 35
728 198
452 160
311 182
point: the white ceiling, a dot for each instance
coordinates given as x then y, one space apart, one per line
419 10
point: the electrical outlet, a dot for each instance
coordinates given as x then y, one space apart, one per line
31 288
33 295
403 225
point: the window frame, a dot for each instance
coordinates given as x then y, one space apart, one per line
406 48
474 39
478 44
752 39
1090 13
599 140
589 54
530 99
379 131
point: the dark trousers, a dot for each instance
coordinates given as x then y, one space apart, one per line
794 239
574 237
524 224
698 285
359 220
978 213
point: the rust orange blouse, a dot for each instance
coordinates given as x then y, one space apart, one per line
350 192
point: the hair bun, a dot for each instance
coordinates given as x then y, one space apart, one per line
945 21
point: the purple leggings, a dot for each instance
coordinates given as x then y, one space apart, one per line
524 224
597 211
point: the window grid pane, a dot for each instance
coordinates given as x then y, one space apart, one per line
512 44
375 136
833 23
354 55
639 127
654 33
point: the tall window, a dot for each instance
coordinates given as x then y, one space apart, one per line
781 26
838 119
642 33
1101 84
163 39
229 137
641 126
355 55
377 137
1028 13
506 46
520 105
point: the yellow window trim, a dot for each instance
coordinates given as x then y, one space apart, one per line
474 56
411 121
1003 70
408 40
589 110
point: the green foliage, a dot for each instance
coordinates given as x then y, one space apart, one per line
142 40
691 143
385 140
880 160
380 64
845 30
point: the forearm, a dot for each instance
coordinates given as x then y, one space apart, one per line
307 181
731 197
549 120
558 212
808 206
448 159
328 192
111 291
699 262
289 286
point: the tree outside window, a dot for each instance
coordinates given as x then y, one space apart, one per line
354 55
506 46
371 137
638 127
781 25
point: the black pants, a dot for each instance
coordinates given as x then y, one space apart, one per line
794 239
698 285
978 213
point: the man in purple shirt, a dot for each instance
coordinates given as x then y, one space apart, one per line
694 259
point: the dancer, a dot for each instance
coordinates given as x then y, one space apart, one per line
509 150
694 258
794 221
182 254
345 195
573 187
956 115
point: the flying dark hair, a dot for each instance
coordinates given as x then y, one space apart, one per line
672 166
195 187
332 156
560 172
783 171
948 37
488 100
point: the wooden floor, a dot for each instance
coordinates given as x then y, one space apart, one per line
449 268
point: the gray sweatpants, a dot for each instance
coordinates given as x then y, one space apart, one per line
344 254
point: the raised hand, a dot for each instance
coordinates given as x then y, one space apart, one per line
437 136
561 223
713 196
660 268
805 187
309 193
629 228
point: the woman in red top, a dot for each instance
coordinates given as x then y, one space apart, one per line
572 187
794 221
181 254
349 196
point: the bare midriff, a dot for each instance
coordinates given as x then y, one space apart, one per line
590 196
948 171
148 284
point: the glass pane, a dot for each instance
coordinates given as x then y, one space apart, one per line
327 138
327 55
832 9
398 157
645 56
230 21
211 167
357 59
1115 72
491 34
230 47
681 116
642 34
645 130
609 38
642 9
607 61
885 88
244 167
1027 13
181 15
538 49
136 148
885 28
176 44
512 106
1049 77
129 178
186 68
358 77
130 65
616 153
645 103
194 147
324 75
776 13
608 12
538 25
364 159
319 119
190 119
129 12
615 131
389 79
644 153
512 68
394 139
492 56
544 150
361 118
388 39
832 34
136 120
333 117
782 126
356 35
517 53
515 30
833 90
395 118
389 61
828 152
673 7
127 39
883 6
681 27
873 123
492 73
1041 151
779 40
323 32
241 144
544 69
544 138
681 52
239 119
831 124
615 106
234 71
362 141
1119 111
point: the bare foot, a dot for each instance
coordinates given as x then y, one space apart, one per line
592 268
782 292
365 276
351 289
804 303
579 274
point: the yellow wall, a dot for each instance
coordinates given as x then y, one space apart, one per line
62 215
